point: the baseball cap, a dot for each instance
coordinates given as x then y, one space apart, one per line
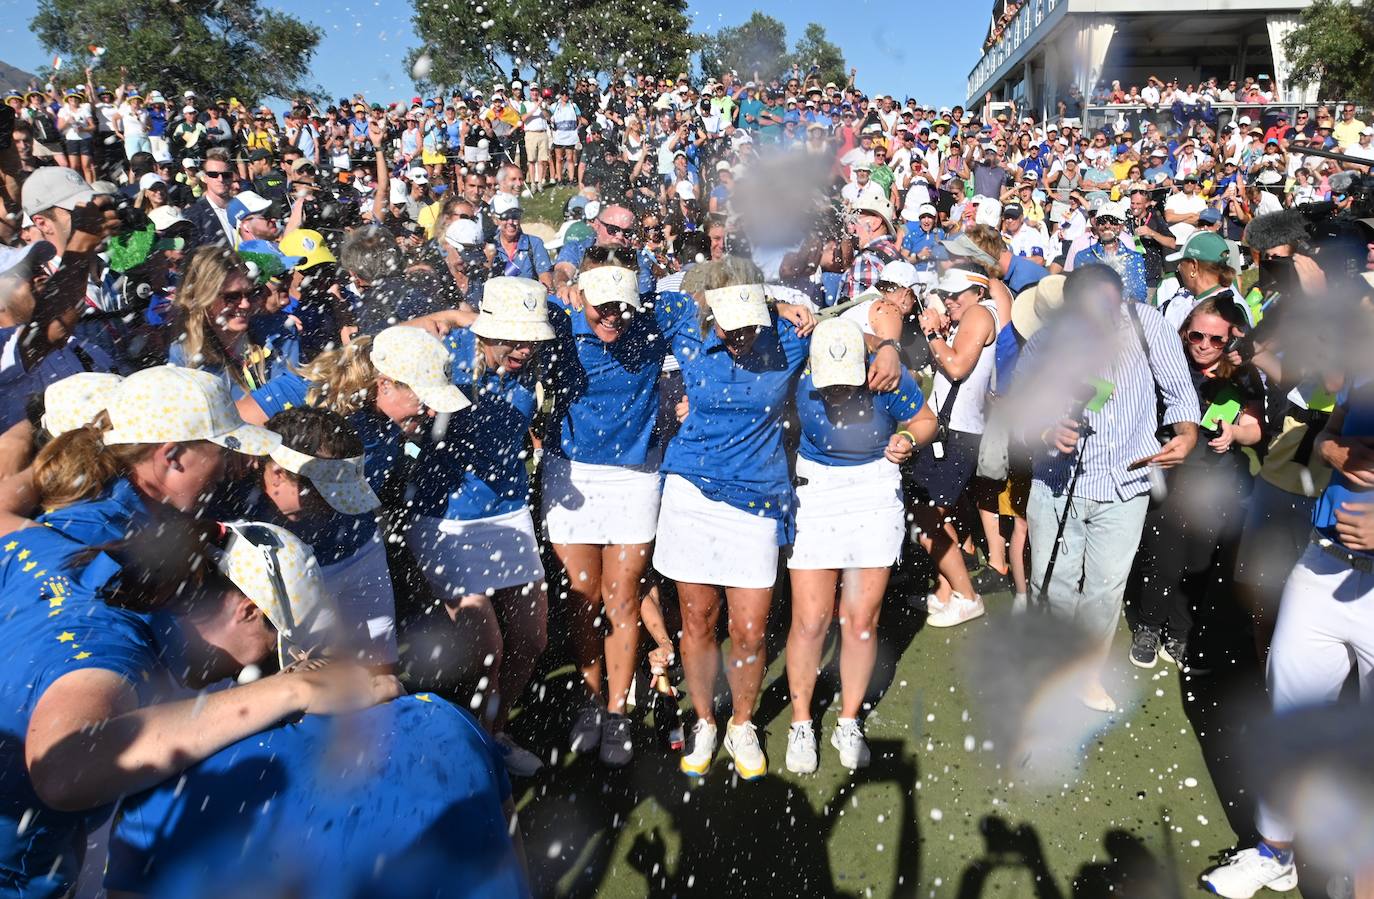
513 309
1012 211
610 284
55 187
417 175
341 482
741 306
277 571
1367 131
307 244
878 206
269 261
164 217
1204 246
685 190
419 360
504 206
900 272
76 400
171 404
149 180
1209 216
463 234
259 155
247 203
1116 211
837 354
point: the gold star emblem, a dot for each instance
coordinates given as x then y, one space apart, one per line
424 697
81 655
55 602
24 554
66 637
9 547
30 566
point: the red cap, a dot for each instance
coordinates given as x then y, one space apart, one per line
414 101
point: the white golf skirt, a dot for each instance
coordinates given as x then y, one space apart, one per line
848 516
600 505
462 558
361 588
701 541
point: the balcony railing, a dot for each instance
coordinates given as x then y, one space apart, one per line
1027 19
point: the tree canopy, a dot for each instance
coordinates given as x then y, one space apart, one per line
1334 46
236 49
759 46
476 41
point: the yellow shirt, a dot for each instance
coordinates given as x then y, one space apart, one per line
1347 134
429 219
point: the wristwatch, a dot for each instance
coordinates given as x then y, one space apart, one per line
889 342
932 335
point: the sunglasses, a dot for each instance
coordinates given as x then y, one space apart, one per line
617 230
1217 341
223 176
236 297
886 287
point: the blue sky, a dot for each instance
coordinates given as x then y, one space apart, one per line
365 41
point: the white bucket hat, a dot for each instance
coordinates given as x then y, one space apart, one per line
838 357
170 404
342 482
419 360
515 309
742 306
610 284
76 400
279 574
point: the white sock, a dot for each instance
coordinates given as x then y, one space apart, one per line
841 722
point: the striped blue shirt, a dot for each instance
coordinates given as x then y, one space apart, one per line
1124 431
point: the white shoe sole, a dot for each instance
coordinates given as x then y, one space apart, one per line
933 621
798 769
1283 884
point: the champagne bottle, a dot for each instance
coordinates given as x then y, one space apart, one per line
667 713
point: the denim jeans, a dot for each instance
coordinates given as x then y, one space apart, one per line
1098 548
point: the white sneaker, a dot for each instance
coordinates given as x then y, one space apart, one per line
742 743
801 748
1249 871
701 749
848 738
958 610
930 603
520 762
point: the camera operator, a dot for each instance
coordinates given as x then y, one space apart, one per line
1199 520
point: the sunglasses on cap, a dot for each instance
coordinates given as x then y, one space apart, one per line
886 286
1108 220
1216 341
623 256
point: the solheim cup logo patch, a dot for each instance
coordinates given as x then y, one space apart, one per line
232 442
838 351
531 303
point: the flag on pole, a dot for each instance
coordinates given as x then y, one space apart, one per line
97 51
56 63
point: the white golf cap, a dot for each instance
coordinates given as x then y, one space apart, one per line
76 400
279 573
742 306
165 217
685 190
505 206
419 360
957 280
171 404
149 180
837 354
900 273
463 234
514 309
417 175
610 284
55 187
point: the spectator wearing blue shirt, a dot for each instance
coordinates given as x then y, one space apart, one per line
1110 251
727 499
471 530
320 823
601 485
851 525
614 226
1160 164
518 255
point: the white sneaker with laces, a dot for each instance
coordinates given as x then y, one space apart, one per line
1249 871
959 609
848 739
742 743
701 749
520 762
801 748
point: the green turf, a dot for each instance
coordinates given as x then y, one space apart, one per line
547 205
940 812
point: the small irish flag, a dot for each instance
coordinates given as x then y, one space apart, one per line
96 51
56 63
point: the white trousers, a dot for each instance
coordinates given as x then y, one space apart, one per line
1325 627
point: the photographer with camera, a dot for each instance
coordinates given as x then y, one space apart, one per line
1199 520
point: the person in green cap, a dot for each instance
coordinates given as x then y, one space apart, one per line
1204 273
